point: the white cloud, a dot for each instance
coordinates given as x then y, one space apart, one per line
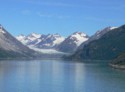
101 5
52 15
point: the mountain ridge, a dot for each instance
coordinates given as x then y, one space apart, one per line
10 47
97 35
72 42
52 41
107 47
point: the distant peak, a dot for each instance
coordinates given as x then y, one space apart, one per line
34 35
54 35
110 28
2 29
57 35
113 28
21 35
80 33
105 29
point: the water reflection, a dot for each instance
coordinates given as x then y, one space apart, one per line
1 76
57 76
79 77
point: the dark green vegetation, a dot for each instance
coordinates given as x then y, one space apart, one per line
108 47
119 62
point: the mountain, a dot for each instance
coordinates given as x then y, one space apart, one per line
53 42
97 35
71 43
41 41
30 39
50 41
107 47
10 47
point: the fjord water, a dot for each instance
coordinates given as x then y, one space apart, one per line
59 76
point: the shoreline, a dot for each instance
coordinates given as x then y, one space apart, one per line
122 67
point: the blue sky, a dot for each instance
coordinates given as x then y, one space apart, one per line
60 16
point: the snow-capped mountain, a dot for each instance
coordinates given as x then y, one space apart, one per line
27 40
41 41
97 35
71 43
100 33
50 41
53 41
11 46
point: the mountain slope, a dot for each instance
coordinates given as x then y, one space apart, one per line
107 47
71 43
97 36
10 47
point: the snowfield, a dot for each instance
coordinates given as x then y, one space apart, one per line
48 51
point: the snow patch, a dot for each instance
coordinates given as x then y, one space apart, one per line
20 37
113 28
36 35
79 38
1 31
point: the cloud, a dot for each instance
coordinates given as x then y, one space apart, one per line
44 15
99 5
89 4
52 15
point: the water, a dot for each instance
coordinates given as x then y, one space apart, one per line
59 76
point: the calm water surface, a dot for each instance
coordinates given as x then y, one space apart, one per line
59 76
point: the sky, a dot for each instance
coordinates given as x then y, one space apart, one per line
60 16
